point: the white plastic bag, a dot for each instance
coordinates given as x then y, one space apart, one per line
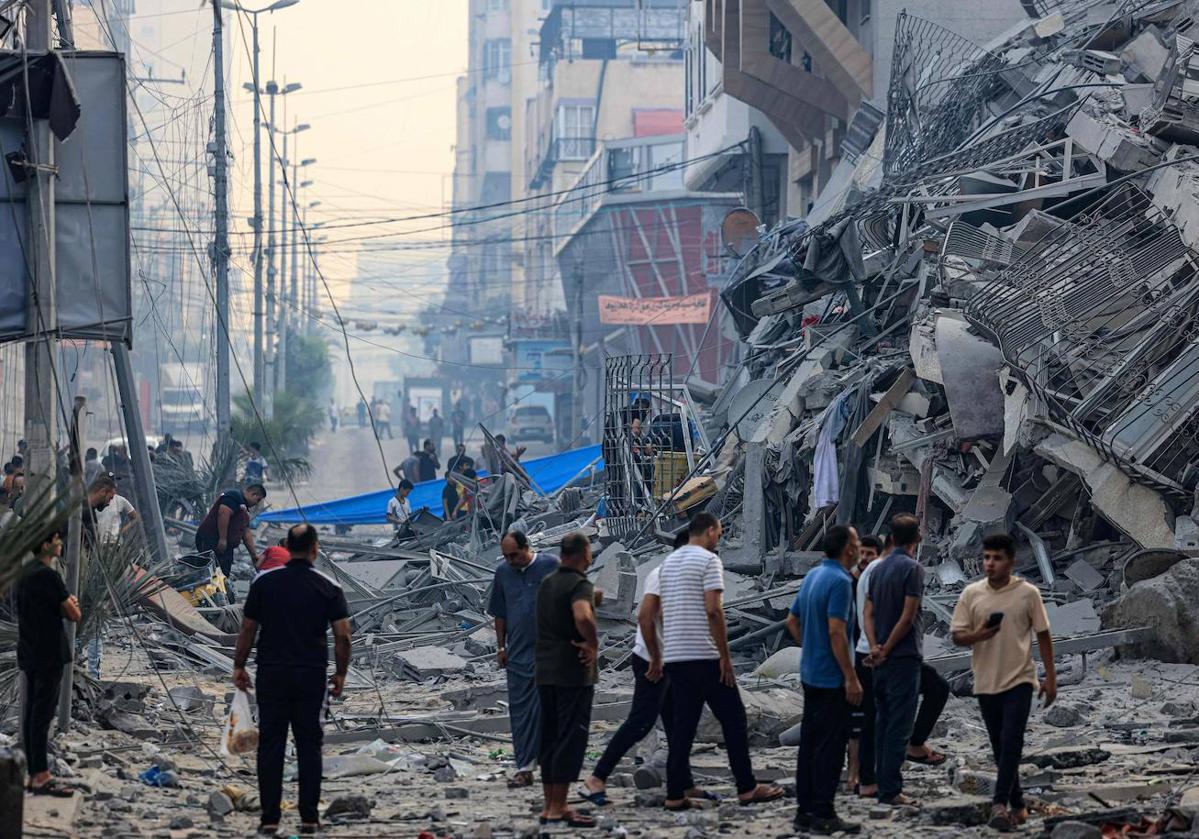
241 734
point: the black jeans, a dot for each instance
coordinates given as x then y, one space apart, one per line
934 693
866 744
565 721
41 702
694 684
896 691
651 700
1006 716
822 738
290 697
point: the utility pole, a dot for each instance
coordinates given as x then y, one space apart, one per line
576 407
41 426
268 378
74 549
281 320
220 246
259 354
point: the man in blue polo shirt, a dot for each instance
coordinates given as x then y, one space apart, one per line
821 622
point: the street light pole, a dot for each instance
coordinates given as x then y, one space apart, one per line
287 197
220 247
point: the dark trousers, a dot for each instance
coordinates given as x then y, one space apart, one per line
41 702
1006 716
934 693
694 684
459 435
866 742
896 691
296 698
565 721
822 737
651 700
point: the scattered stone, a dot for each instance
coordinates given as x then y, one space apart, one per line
1179 709
972 782
1068 757
1141 689
455 793
445 774
482 831
958 809
181 823
349 806
880 813
1076 830
219 805
1063 716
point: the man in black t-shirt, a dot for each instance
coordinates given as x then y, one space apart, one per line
294 606
227 525
567 645
42 652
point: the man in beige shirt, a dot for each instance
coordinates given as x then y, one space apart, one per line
997 617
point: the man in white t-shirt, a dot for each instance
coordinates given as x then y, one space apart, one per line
651 701
399 508
110 521
695 656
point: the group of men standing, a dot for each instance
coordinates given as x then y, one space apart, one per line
888 700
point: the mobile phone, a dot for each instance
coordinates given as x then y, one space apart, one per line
994 619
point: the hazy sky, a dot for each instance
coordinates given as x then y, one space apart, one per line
378 90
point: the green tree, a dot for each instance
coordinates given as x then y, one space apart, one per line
294 422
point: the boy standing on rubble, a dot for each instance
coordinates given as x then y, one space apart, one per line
513 605
567 646
996 617
42 653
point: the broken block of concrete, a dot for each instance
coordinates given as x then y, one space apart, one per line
1169 604
427 662
1145 56
970 368
1113 142
1068 757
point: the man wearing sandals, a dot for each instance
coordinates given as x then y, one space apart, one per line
996 617
567 646
821 622
42 653
695 656
513 605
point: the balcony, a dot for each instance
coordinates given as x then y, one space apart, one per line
558 149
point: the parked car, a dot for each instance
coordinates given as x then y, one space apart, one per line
531 422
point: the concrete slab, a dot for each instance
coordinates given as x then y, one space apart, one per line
970 368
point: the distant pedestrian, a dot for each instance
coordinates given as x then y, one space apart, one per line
294 607
117 518
117 462
513 605
409 469
458 424
361 407
459 461
651 700
91 466
567 647
821 622
892 623
399 508
276 556
42 653
861 773
383 419
695 655
429 463
997 617
451 498
412 428
436 430
182 457
334 416
227 525
257 470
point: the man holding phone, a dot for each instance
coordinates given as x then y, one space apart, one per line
996 617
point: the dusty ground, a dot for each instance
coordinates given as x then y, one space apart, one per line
1142 714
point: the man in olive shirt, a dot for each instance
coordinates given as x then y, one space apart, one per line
996 617
567 644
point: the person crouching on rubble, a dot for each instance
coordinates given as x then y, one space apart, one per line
567 647
294 606
513 605
42 653
996 617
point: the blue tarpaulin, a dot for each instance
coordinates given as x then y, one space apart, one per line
549 473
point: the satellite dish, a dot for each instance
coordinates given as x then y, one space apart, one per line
750 406
739 230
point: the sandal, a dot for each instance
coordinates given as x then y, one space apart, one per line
933 758
54 788
704 795
599 799
761 795
685 804
571 819
268 830
520 779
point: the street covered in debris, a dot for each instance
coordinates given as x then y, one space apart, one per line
987 319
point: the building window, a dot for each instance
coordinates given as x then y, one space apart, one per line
497 59
499 123
780 40
497 5
574 127
865 11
